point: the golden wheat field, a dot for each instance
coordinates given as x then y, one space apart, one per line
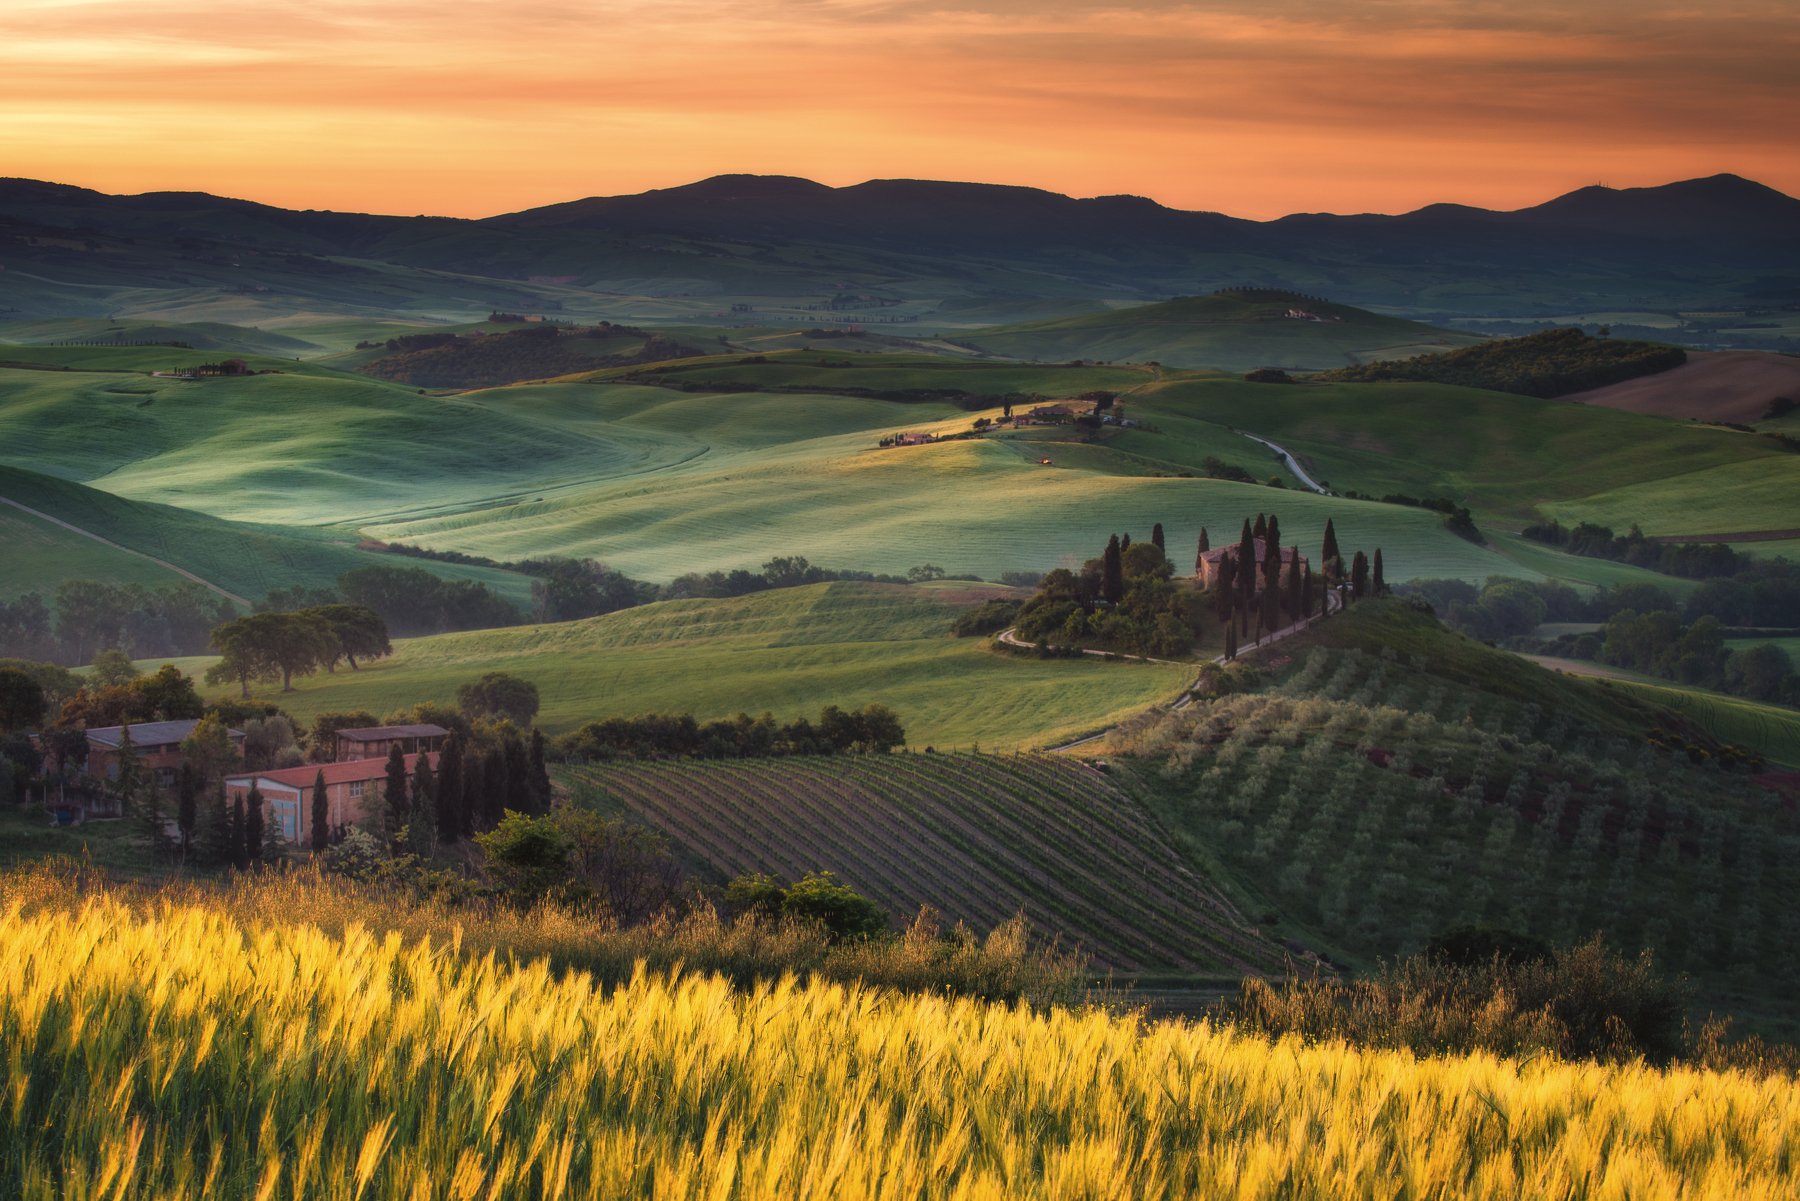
171 1052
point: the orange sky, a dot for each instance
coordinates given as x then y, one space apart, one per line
1251 108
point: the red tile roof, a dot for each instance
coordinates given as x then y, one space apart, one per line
335 773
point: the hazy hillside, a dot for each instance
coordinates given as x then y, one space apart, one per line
1234 331
71 251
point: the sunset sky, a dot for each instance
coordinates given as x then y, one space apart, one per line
1251 108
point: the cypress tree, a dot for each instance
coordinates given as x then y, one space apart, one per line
1359 576
469 812
1296 598
1156 536
321 813
450 791
253 826
1378 584
239 858
1124 542
1112 575
494 790
131 775
150 812
1200 551
520 796
1227 587
1231 641
421 830
1271 581
187 807
540 775
212 834
394 810
1246 568
1262 526
1328 554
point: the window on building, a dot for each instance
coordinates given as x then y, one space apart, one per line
356 788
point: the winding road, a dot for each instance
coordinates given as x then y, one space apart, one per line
1293 464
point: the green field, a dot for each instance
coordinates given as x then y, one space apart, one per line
979 838
240 558
789 652
658 481
1513 457
1227 331
1772 729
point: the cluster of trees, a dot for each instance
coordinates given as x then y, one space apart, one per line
1457 518
1127 599
89 616
1554 362
1765 596
535 350
1642 628
873 729
1689 560
412 601
1124 600
282 645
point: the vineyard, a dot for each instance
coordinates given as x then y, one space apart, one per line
976 837
1379 804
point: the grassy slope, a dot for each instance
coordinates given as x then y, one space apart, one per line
1287 798
1221 331
978 838
1772 729
1509 455
789 652
245 559
660 482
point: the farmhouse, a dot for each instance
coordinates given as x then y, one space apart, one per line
1208 575
351 791
374 742
157 745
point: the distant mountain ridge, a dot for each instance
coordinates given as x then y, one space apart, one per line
1705 242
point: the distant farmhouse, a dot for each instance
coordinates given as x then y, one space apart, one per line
374 742
351 791
157 745
1208 575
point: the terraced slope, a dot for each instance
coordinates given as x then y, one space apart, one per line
979 837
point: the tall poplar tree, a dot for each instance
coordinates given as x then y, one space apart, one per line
253 826
450 790
540 774
321 813
1378 584
421 828
393 796
1328 554
494 790
187 808
239 858
1112 573
1359 576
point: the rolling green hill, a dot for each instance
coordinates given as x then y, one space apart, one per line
1234 331
1391 780
789 651
979 838
240 558
1515 457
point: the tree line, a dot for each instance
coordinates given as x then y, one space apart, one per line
873 729
1553 362
90 616
1688 560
